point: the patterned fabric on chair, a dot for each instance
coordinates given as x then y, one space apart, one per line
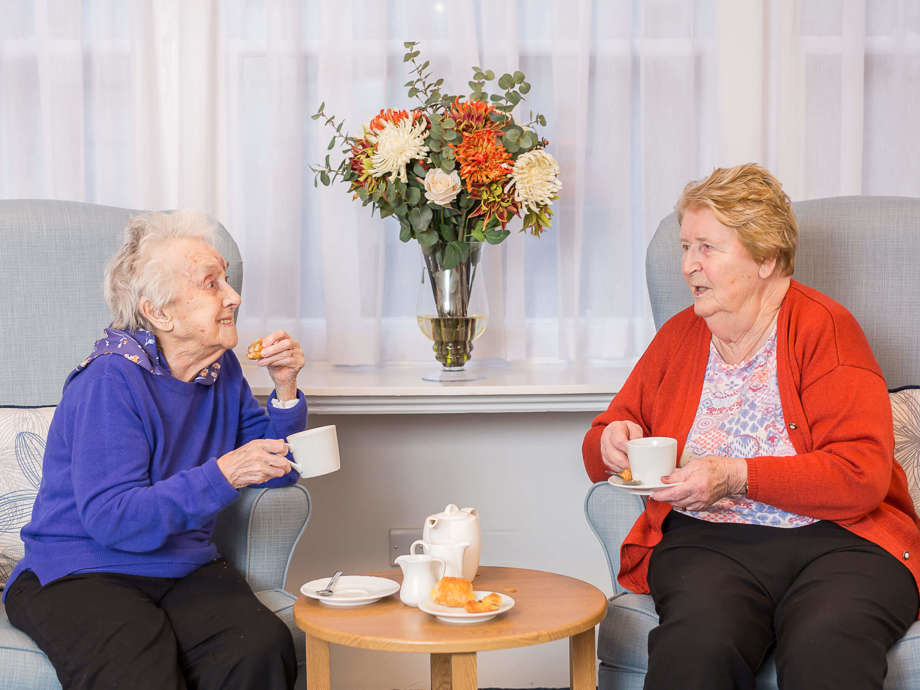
862 251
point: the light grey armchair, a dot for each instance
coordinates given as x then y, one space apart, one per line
863 252
52 257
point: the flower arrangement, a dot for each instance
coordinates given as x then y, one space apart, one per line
454 169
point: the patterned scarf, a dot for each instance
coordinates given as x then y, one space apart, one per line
140 347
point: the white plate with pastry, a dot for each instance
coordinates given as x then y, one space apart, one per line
457 614
351 590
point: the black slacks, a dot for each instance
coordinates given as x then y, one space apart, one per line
206 630
831 603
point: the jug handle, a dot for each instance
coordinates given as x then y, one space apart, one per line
443 565
417 542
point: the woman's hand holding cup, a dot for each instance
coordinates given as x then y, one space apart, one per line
613 443
255 462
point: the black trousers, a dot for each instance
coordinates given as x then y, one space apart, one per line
205 630
831 603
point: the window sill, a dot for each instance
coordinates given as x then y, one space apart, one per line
502 387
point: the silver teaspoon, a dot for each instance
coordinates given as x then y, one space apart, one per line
327 590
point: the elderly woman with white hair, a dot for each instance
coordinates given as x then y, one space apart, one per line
121 585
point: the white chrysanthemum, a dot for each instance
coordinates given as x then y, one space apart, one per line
396 145
536 179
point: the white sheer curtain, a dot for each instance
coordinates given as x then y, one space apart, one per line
171 103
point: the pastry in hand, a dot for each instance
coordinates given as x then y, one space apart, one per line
255 350
490 602
452 591
626 475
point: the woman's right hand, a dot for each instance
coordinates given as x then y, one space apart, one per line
256 462
613 443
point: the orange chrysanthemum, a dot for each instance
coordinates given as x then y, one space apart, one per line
482 158
394 116
471 116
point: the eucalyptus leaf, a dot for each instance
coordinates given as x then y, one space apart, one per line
419 170
506 81
435 144
427 238
413 195
524 87
509 143
415 218
496 236
451 256
490 75
324 178
405 232
518 77
426 214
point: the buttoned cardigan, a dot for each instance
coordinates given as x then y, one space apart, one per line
836 410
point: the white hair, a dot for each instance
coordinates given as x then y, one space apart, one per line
135 272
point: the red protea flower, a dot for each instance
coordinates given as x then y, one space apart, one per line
360 163
482 158
471 116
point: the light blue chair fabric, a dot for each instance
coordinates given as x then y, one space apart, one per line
52 258
863 252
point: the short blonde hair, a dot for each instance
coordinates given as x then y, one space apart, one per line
750 200
135 272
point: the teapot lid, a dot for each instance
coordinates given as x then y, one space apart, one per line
452 512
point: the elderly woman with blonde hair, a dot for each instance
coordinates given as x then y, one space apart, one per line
121 585
787 524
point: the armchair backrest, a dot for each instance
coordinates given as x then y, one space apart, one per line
52 310
860 250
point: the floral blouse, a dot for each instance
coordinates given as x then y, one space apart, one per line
740 416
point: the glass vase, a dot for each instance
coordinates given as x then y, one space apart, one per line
452 309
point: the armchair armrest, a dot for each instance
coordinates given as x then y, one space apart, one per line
611 513
258 532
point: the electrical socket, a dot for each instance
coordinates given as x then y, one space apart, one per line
400 541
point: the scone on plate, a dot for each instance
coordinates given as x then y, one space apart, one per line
490 602
452 591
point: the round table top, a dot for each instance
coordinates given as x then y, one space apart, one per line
547 607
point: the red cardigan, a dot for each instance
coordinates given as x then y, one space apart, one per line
838 415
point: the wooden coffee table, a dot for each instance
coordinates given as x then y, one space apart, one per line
547 607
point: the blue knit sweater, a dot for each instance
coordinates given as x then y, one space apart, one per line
130 481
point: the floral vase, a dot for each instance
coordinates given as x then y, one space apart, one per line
452 309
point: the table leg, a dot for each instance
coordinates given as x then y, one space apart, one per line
317 664
453 671
582 661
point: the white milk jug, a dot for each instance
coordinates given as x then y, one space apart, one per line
456 526
420 574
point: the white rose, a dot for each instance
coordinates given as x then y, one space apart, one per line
440 187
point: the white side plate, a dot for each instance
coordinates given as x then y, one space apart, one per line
457 614
351 590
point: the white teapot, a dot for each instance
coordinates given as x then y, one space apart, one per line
456 526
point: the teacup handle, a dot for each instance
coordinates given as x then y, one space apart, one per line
418 542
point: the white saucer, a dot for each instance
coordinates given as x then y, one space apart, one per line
640 489
457 614
351 590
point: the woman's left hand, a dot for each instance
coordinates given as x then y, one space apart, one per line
703 481
284 358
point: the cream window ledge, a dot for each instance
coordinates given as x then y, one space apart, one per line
502 387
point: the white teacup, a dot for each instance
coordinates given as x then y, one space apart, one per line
316 451
651 458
